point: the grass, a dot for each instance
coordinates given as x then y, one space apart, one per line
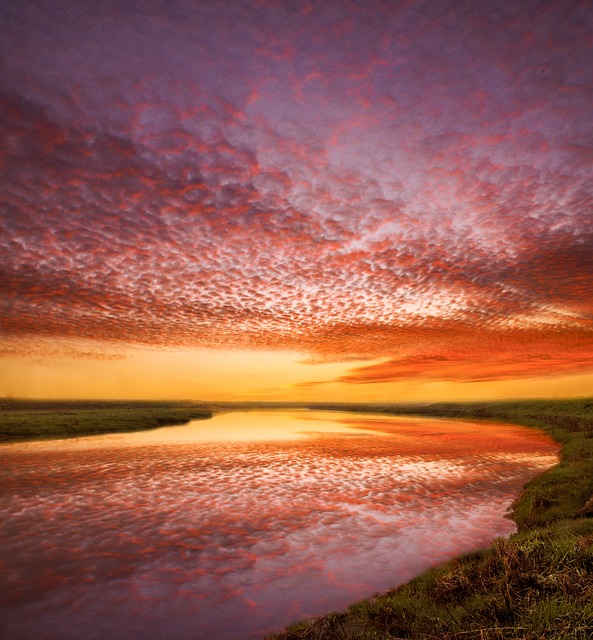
58 418
535 585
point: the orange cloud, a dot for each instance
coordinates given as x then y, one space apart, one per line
373 183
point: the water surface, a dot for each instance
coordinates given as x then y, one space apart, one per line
232 527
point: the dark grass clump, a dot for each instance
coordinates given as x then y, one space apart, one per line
537 585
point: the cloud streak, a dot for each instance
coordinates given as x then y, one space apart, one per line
394 181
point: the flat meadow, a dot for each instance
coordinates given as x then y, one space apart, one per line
62 418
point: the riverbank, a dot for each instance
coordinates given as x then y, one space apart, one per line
62 418
536 585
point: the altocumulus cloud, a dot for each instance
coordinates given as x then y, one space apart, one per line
378 180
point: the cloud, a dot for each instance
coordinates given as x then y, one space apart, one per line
370 182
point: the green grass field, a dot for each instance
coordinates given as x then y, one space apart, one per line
536 585
60 418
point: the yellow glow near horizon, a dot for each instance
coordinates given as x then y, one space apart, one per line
107 371
144 373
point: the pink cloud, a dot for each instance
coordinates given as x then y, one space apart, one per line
335 179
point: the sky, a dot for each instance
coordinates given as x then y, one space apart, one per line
296 200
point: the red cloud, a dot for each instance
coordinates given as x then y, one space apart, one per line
428 185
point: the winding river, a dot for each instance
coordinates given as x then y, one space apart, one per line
233 527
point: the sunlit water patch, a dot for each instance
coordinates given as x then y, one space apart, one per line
233 527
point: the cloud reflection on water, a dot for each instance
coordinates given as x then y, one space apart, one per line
169 534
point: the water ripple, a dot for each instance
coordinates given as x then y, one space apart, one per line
166 535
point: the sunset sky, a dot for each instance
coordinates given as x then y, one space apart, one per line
296 200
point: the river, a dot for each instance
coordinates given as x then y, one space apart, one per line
229 528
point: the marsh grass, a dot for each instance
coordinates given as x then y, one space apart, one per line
37 419
535 585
